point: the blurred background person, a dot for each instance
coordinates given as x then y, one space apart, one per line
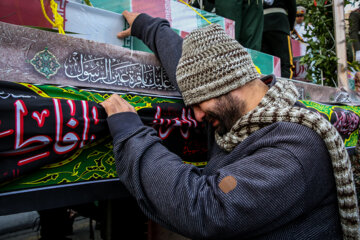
279 19
299 27
248 17
354 33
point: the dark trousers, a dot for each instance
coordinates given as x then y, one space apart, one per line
278 44
55 224
116 219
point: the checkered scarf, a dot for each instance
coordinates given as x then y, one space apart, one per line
278 106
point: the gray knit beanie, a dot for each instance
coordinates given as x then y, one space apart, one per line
212 64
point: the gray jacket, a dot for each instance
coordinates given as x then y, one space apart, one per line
285 187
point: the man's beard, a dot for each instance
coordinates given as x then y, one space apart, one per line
227 111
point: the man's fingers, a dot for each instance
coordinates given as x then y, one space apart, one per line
115 104
130 18
124 34
126 14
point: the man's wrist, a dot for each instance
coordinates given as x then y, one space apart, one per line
136 28
123 124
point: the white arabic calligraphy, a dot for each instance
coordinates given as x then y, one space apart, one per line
116 72
4 95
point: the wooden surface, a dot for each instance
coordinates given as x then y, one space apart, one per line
340 38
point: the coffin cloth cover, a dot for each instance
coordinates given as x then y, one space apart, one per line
175 125
41 124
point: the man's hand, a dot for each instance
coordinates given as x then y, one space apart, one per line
357 82
357 76
116 104
130 17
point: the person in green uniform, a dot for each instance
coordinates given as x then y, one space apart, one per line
248 17
354 32
279 19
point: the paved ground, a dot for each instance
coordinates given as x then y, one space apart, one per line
80 228
23 226
16 222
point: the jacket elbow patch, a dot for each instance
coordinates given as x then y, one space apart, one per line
227 184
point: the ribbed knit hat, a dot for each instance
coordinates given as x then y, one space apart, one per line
212 64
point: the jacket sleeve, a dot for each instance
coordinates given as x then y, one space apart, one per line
162 40
181 198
